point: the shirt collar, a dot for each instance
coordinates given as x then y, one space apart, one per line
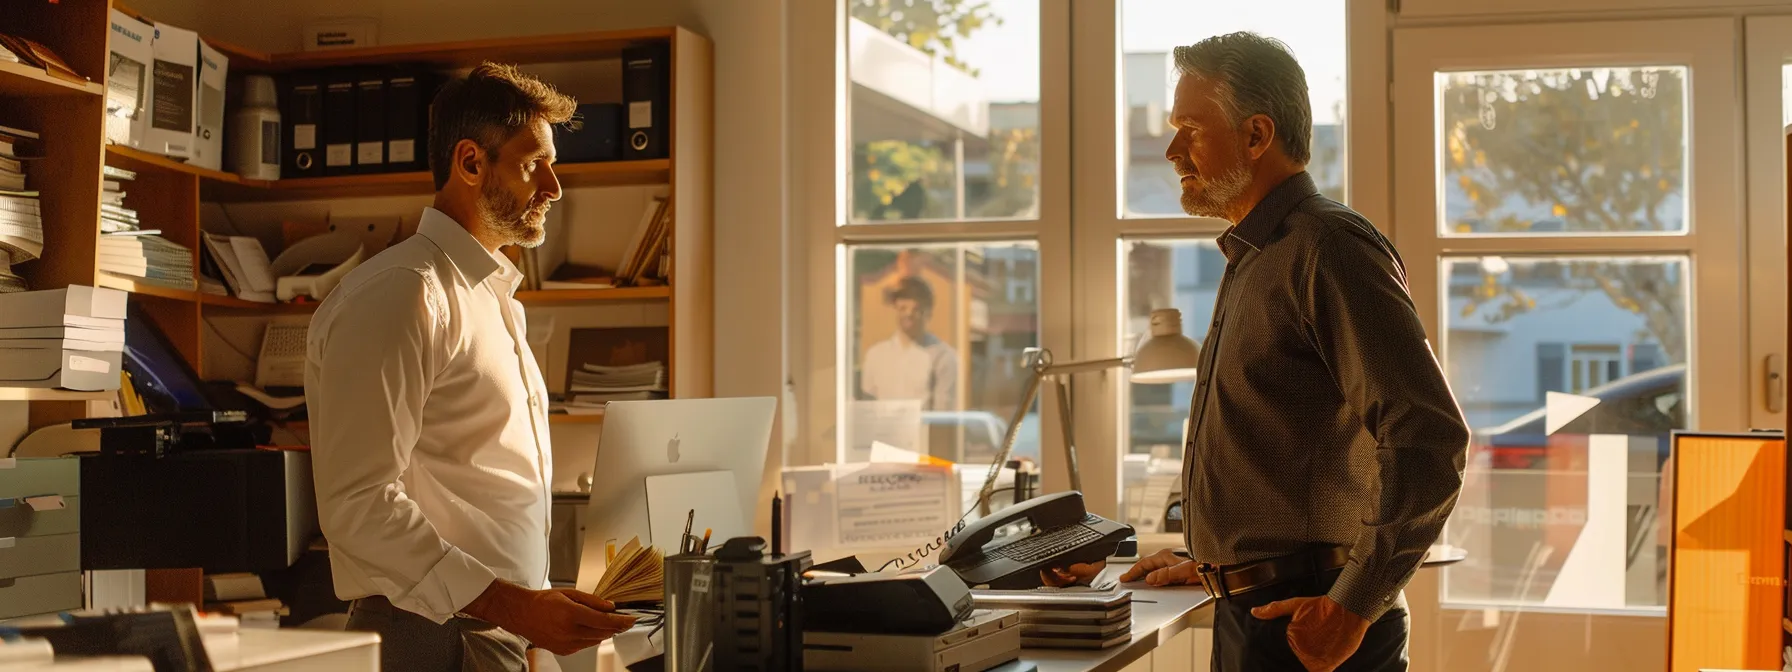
471 258
1267 216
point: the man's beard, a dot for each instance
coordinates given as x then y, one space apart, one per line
516 222
1216 194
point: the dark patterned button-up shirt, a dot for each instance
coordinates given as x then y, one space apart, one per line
1320 415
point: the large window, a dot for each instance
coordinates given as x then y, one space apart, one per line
1575 259
945 110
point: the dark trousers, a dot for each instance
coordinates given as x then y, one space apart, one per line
1244 643
413 643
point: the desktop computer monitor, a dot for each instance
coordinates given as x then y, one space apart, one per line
659 460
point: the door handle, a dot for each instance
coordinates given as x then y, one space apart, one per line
1776 383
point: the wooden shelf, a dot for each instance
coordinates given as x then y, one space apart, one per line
146 289
569 419
592 295
230 188
133 159
233 304
533 49
48 394
1787 624
18 80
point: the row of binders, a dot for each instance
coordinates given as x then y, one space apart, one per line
356 120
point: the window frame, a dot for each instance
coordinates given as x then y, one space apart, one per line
1708 47
1768 47
824 228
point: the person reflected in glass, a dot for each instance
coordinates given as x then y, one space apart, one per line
912 364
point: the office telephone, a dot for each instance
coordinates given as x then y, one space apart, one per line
1055 532
282 359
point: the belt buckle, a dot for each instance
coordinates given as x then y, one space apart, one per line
1210 579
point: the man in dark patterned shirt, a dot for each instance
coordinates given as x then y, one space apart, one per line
1325 449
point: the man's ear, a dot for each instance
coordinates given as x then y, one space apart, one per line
469 161
1263 134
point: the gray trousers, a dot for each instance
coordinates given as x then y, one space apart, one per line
412 643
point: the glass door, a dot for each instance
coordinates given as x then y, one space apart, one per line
1567 201
1769 96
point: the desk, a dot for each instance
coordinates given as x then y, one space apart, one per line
258 650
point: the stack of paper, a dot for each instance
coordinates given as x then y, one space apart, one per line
114 216
1068 618
242 595
147 258
21 225
244 265
70 338
593 386
634 574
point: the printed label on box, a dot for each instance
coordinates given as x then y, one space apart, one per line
369 153
304 136
640 114
88 364
401 151
340 155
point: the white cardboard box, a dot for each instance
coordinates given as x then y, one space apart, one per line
173 93
127 78
208 140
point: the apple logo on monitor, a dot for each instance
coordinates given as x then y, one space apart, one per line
672 449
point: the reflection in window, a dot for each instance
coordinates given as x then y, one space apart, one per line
1150 29
935 348
1577 150
1612 331
944 109
1180 274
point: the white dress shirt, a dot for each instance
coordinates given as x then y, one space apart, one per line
429 426
898 368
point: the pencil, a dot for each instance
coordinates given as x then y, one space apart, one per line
704 546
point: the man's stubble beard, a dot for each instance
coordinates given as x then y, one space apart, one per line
513 220
1217 194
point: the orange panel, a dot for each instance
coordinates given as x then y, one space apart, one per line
1725 599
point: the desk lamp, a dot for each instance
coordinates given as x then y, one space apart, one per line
1166 357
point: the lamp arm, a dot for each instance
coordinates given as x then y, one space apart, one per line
1068 368
1020 413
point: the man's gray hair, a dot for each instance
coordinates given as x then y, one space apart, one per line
1256 75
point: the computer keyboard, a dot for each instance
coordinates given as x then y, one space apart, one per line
1048 544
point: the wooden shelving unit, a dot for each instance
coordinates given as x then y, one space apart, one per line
45 394
23 81
168 193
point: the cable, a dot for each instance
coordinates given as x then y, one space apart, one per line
916 556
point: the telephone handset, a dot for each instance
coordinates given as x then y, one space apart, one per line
1062 533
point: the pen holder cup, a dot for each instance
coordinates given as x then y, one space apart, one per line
690 613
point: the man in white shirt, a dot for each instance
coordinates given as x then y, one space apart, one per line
429 415
912 363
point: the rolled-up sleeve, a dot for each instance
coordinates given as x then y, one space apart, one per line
371 363
1365 328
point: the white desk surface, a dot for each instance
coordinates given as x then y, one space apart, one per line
257 647
1158 615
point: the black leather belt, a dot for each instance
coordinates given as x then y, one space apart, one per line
1223 582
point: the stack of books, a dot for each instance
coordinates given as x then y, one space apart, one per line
592 386
114 217
1066 618
71 338
147 258
21 224
243 596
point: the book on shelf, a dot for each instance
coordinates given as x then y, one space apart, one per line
150 259
647 377
641 244
636 573
21 221
244 264
36 54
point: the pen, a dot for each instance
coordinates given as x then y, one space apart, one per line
777 524
684 542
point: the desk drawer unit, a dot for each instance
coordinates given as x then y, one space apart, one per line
35 517
33 476
31 556
41 594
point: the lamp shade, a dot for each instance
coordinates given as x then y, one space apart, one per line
1167 356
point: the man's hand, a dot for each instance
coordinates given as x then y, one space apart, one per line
1322 634
562 620
1081 573
1163 568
